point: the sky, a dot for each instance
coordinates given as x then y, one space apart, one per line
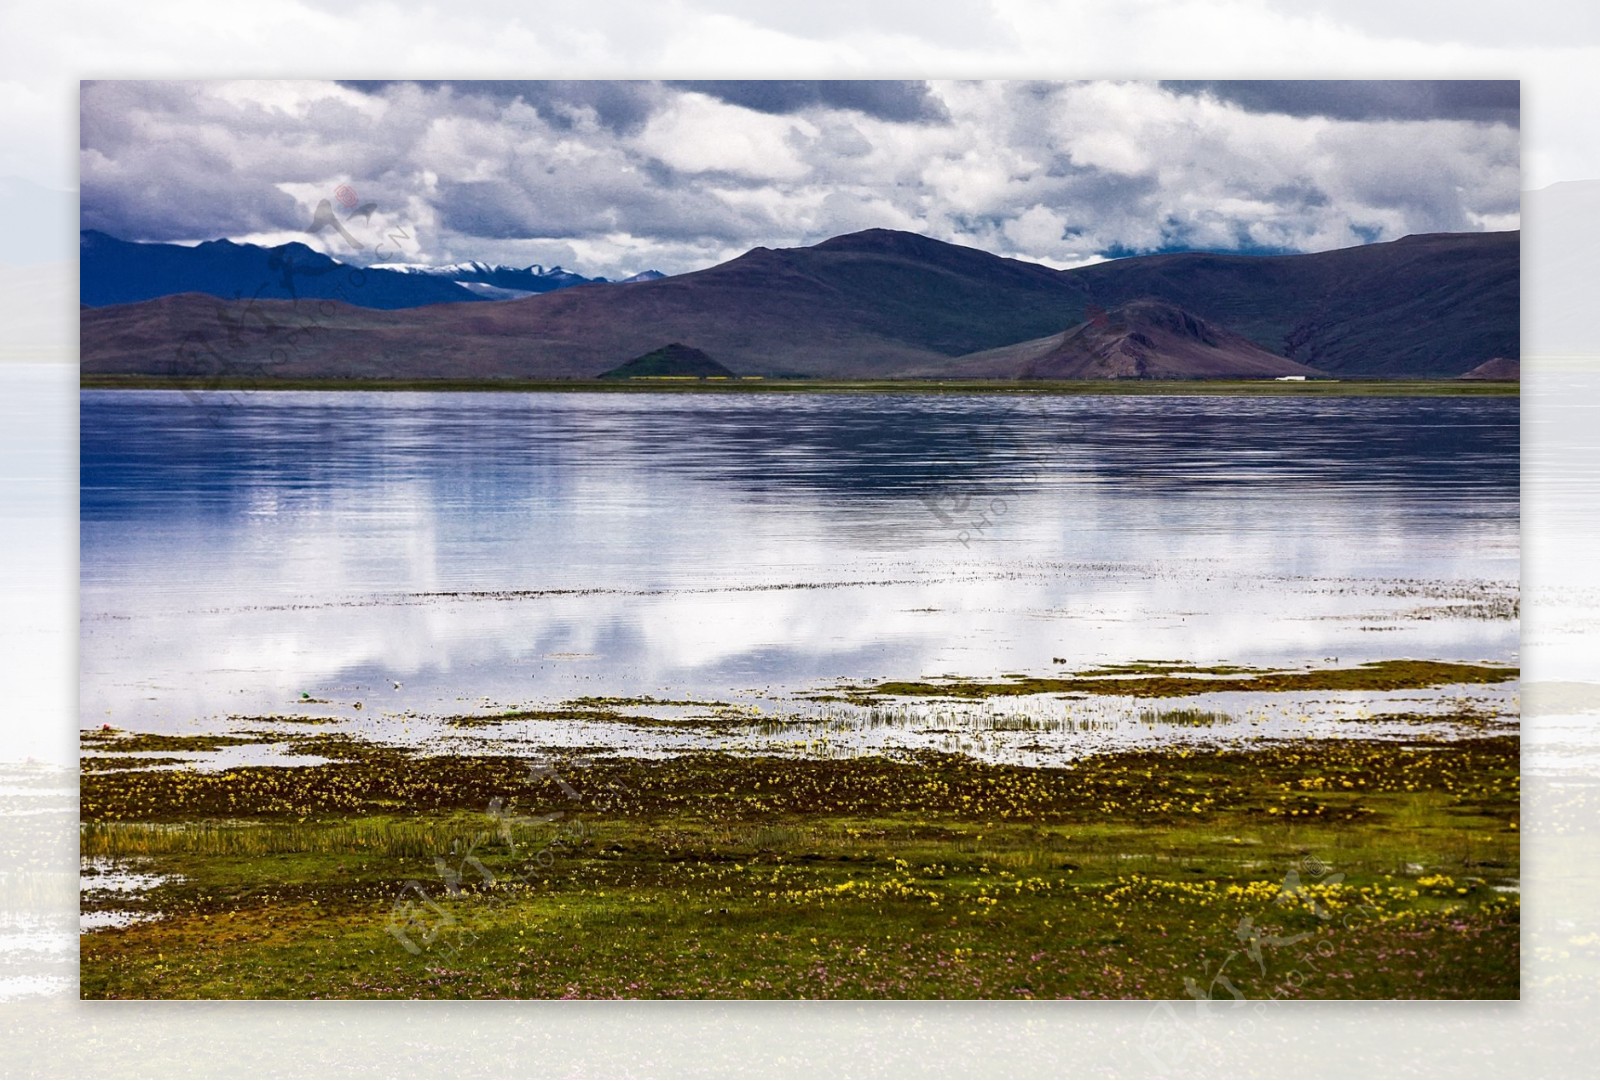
611 178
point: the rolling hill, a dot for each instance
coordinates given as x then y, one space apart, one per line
1142 339
676 361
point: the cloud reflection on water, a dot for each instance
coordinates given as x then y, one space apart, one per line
725 544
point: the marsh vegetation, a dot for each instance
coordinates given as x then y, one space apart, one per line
1359 867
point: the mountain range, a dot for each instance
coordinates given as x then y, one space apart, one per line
113 271
884 304
500 282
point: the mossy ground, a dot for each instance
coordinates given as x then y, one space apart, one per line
1170 681
1334 869
705 714
114 741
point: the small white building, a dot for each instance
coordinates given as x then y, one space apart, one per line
1291 379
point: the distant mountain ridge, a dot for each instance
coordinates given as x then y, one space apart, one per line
113 271
117 271
887 304
509 282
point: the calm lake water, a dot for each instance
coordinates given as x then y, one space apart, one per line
240 551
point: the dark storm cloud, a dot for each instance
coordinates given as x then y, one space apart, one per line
139 182
1495 101
882 98
501 210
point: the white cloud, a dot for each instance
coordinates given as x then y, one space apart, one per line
698 134
602 174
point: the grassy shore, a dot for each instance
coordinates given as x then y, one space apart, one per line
1336 388
1148 680
1316 869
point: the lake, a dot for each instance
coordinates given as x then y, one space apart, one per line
247 554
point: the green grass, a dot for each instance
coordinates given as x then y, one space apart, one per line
1157 786
114 741
746 385
598 710
1171 682
95 763
722 876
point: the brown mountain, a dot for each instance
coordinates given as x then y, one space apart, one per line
1143 339
873 304
1428 305
868 304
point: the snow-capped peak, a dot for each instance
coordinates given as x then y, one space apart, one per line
500 282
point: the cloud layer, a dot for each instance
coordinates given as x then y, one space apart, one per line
613 177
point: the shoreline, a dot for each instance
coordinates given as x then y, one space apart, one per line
1394 388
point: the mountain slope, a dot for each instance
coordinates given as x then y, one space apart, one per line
883 304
